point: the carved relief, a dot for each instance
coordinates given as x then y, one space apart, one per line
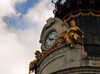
49 22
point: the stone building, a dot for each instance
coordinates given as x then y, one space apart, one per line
84 57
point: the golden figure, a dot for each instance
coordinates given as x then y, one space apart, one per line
38 55
73 34
31 66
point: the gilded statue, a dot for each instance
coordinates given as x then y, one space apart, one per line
32 64
72 35
38 55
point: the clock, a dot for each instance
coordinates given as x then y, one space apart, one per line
50 39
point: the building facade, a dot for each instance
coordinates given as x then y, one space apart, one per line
61 58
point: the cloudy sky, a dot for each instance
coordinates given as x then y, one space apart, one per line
21 22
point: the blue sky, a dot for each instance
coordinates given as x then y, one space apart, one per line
15 22
21 23
21 8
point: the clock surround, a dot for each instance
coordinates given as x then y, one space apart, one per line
53 24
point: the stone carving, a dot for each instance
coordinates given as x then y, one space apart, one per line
73 34
33 63
49 22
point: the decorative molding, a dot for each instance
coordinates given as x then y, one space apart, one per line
82 14
48 24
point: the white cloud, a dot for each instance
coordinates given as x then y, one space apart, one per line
7 7
11 50
17 47
19 14
38 15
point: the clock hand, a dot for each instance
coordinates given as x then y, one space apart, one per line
50 38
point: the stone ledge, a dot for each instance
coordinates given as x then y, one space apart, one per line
79 70
58 48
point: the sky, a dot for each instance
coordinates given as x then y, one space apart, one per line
21 23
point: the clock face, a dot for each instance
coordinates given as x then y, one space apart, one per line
50 39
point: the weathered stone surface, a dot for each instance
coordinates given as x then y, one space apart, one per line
61 57
79 70
73 58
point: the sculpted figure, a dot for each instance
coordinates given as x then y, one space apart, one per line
32 66
38 55
73 34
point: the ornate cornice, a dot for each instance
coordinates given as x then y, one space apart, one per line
71 6
80 14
